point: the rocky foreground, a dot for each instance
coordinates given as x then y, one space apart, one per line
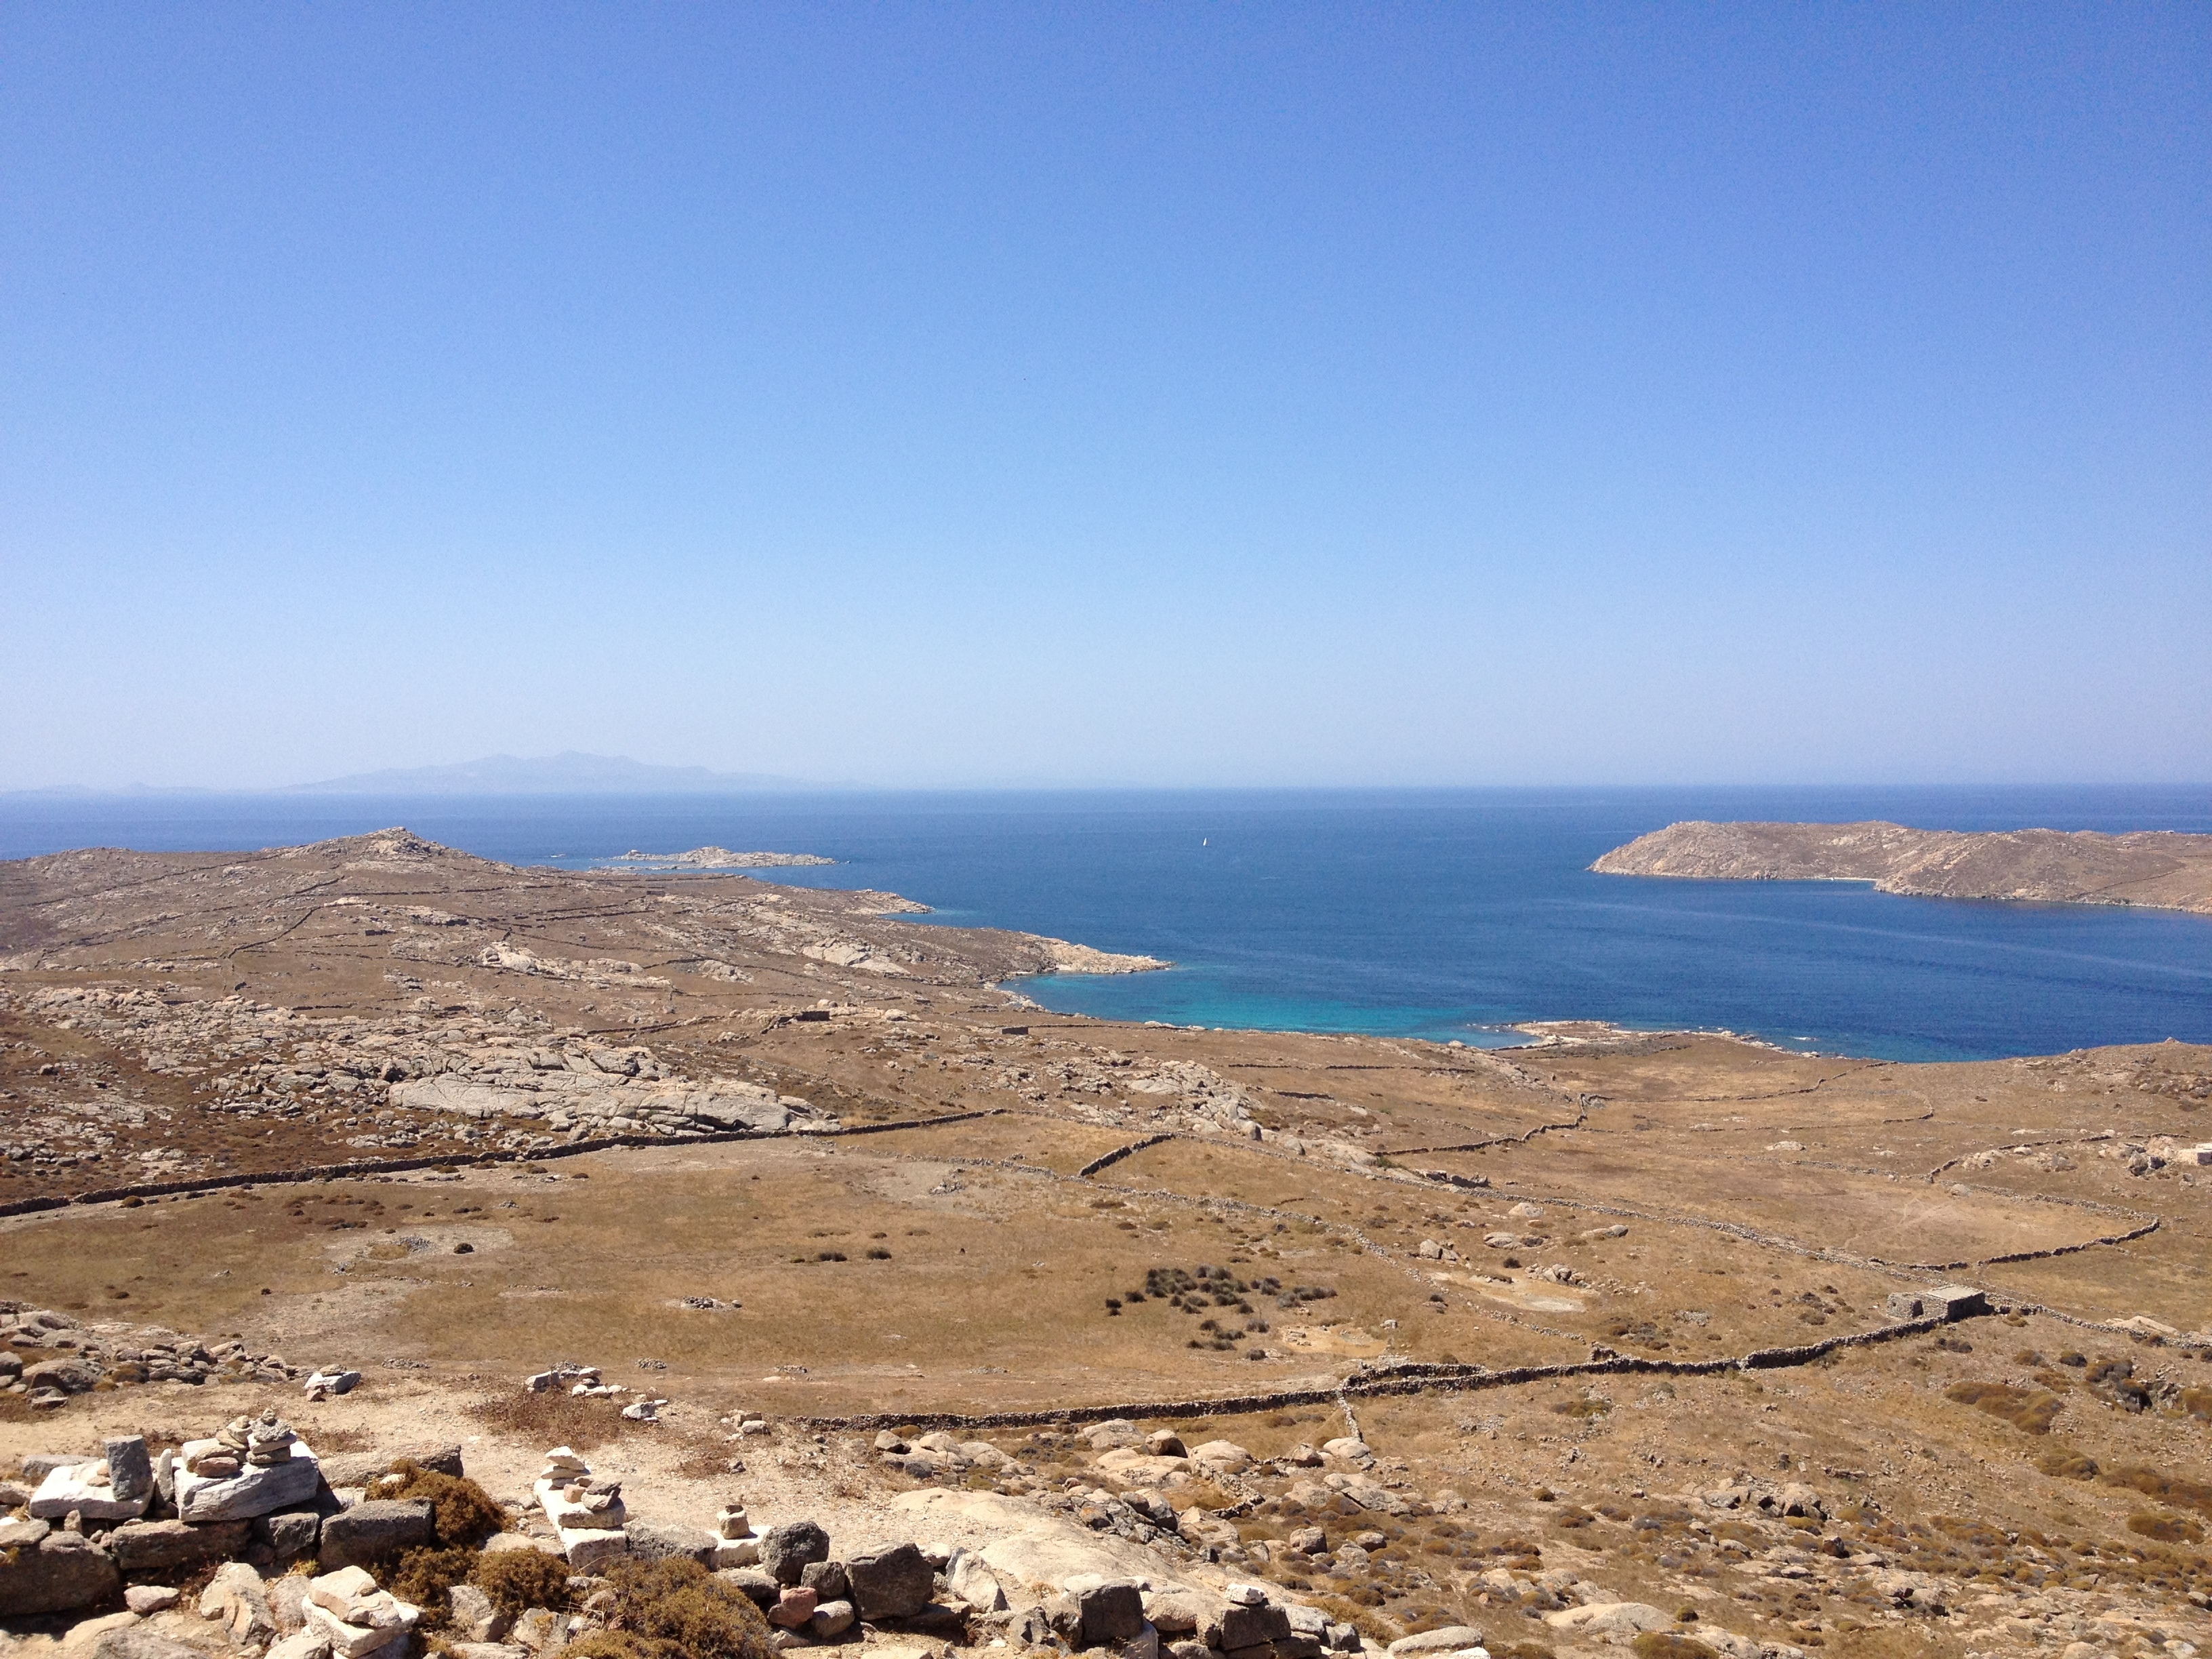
2156 868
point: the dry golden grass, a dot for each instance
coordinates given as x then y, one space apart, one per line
2033 1410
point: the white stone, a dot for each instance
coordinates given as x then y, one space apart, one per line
737 1553
64 1490
588 1547
256 1489
357 1618
334 1381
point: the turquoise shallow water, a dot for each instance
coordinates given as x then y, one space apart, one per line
1441 914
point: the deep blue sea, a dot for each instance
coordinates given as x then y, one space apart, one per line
1439 914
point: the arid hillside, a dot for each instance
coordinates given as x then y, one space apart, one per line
1510 1340
2168 871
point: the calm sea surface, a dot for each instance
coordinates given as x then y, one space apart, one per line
1439 914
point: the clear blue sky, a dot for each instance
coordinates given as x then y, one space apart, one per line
1161 394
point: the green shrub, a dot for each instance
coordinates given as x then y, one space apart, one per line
519 1580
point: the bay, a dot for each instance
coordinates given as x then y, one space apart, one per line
1441 914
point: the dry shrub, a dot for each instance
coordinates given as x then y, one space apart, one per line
2165 1528
519 1580
2033 1410
2167 1489
2197 1402
553 1419
676 1609
2068 1465
1666 1645
425 1575
462 1513
1519 1651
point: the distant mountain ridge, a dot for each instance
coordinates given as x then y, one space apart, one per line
569 773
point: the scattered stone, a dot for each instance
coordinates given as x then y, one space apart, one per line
158 1550
374 1528
473 1618
1113 1612
43 1570
967 1577
652 1540
831 1619
142 1599
753 1582
289 1533
794 1606
235 1598
894 1582
787 1550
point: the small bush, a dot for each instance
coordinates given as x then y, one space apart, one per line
676 1609
2068 1465
423 1577
519 1580
2165 1528
1666 1645
2032 1409
2182 1494
462 1513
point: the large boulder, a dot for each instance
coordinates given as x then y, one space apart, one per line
150 1551
368 1531
43 1571
1114 1612
967 1577
289 1533
71 1374
235 1596
1232 1626
786 1551
1449 1639
890 1581
1610 1618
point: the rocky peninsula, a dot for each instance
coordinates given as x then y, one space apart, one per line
2155 868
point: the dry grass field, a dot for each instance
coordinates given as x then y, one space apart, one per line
1375 1203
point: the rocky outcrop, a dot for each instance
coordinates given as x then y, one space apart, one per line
2052 866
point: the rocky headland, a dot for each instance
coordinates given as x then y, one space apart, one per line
2154 868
